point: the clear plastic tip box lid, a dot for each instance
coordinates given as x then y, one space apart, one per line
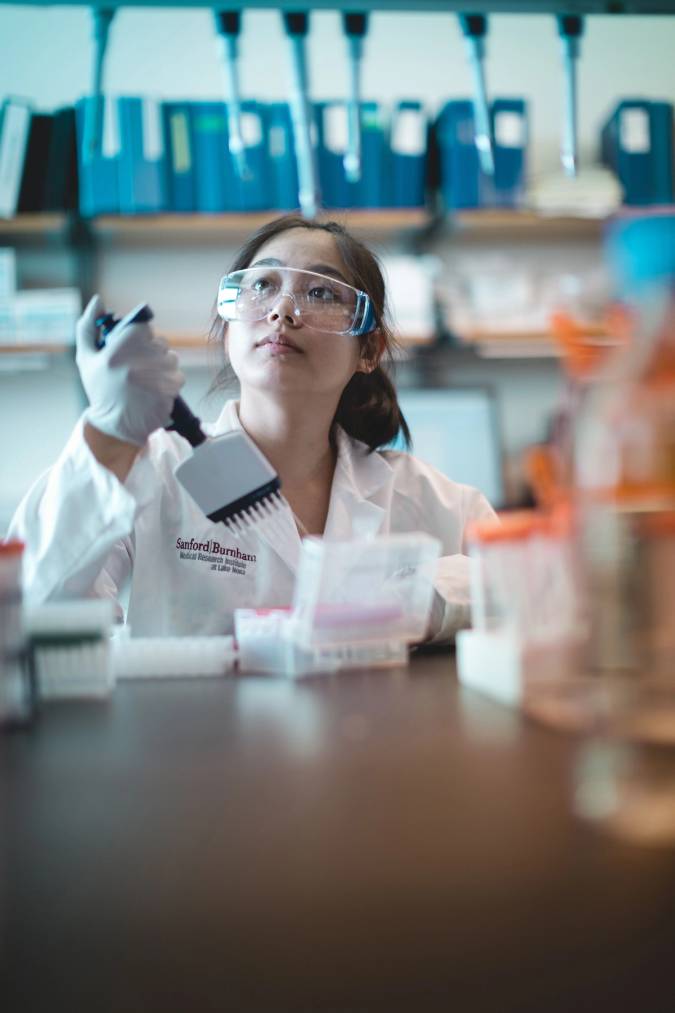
364 590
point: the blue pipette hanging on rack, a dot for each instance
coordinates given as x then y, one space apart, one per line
296 25
228 27
570 30
474 29
93 119
355 26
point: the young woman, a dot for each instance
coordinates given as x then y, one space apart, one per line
306 334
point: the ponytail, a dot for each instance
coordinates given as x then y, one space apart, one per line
369 410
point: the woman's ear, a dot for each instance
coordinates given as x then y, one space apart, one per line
372 352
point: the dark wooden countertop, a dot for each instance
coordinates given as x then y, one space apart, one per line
378 840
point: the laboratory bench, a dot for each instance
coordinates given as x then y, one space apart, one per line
369 840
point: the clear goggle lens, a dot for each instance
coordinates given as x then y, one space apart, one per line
321 302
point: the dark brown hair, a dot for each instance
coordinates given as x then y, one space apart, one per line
368 409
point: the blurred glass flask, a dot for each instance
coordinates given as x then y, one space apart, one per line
625 467
625 485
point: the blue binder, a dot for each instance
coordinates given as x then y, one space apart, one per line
142 167
408 142
281 165
463 183
61 185
637 144
458 155
663 152
510 136
98 174
34 179
178 146
213 174
252 193
372 189
331 121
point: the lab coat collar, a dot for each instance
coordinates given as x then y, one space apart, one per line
226 421
359 474
362 472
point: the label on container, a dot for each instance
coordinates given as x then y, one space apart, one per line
634 131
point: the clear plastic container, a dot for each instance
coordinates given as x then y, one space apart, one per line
365 590
523 577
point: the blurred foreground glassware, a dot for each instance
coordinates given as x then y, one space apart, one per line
625 489
16 694
625 464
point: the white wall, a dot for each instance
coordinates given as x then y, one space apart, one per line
45 55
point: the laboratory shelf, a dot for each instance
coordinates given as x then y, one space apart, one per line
376 220
506 222
42 224
534 345
236 223
134 227
198 348
34 358
35 349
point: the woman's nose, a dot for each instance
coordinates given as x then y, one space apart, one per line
285 308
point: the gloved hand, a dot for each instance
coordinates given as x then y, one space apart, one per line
131 383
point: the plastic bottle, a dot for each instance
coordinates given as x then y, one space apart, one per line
523 578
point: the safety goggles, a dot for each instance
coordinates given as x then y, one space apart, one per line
321 302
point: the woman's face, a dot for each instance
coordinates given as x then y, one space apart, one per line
281 352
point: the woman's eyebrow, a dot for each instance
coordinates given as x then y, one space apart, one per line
317 268
327 269
268 262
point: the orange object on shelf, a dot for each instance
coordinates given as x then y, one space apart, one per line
584 345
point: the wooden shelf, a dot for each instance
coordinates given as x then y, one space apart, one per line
487 347
188 342
504 345
34 349
232 223
469 223
523 223
362 218
34 225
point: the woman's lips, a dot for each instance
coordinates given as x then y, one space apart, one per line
278 345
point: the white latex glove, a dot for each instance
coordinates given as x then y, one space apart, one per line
131 383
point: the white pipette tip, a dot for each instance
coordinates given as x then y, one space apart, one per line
570 165
352 166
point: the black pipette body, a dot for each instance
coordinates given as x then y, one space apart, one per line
182 420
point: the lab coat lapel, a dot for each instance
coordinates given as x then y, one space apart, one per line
280 534
358 475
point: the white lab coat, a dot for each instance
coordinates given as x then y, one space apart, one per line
87 534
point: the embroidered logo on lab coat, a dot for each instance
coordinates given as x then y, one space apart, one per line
223 558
